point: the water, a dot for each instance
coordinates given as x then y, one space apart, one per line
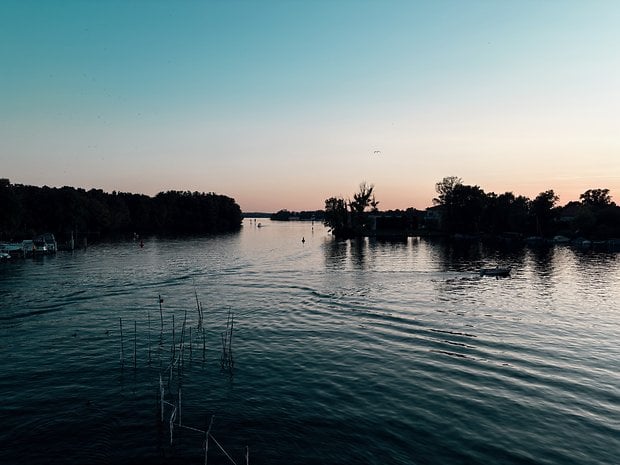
344 352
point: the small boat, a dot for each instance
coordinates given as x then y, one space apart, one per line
13 249
498 272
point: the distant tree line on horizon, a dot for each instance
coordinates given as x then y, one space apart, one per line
285 215
468 210
29 210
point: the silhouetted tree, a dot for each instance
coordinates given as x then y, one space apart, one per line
462 206
10 211
542 211
363 198
337 216
28 210
444 188
596 198
505 213
281 215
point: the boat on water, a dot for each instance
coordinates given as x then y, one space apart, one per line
498 272
40 245
12 249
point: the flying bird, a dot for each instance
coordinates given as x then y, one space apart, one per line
376 152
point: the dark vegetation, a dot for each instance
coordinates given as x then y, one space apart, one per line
29 210
285 215
467 211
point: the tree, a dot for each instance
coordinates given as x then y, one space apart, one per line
505 213
374 204
596 198
65 210
363 198
444 188
336 215
463 206
467 205
349 219
10 210
542 210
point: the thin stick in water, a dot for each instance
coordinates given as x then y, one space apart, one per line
207 438
148 314
204 346
161 313
122 347
190 343
161 397
173 339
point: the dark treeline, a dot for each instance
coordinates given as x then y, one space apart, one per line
285 215
29 210
468 210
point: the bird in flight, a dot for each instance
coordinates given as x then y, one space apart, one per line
377 152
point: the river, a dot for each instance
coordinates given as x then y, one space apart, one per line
365 352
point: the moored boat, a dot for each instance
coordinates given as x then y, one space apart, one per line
498 272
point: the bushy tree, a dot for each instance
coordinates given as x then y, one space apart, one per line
445 189
336 215
542 211
363 198
350 218
596 198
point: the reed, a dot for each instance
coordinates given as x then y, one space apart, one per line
161 397
227 361
171 423
198 307
173 338
204 346
182 343
148 316
174 414
190 343
161 313
208 433
180 406
120 320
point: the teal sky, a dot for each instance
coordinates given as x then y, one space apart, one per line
281 104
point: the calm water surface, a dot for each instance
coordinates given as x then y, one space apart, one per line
344 352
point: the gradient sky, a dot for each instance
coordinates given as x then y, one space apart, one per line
281 104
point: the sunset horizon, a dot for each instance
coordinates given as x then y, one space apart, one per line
282 105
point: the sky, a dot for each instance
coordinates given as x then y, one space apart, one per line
283 104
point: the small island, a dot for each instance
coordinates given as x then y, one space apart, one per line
466 212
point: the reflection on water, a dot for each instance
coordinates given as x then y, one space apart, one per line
361 351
